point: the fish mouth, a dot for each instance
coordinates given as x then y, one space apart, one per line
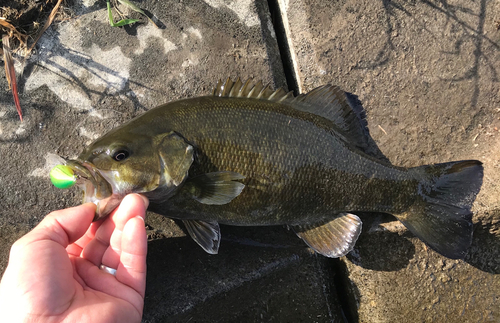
95 188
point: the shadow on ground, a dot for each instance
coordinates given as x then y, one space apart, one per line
456 14
484 253
258 275
368 253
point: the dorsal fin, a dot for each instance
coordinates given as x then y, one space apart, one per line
332 103
327 101
239 89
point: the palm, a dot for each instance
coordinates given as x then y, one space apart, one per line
66 282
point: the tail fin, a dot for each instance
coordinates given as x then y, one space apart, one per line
443 217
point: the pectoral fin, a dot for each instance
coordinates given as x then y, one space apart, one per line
206 234
216 188
331 239
176 156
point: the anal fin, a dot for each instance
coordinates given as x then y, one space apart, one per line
334 238
206 234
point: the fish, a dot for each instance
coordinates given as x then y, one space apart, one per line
251 156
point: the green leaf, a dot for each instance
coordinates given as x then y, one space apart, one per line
137 9
120 23
124 22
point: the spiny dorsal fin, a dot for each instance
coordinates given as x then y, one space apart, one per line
327 101
247 89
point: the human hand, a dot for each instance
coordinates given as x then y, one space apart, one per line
53 272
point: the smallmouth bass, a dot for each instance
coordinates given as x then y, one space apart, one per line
252 156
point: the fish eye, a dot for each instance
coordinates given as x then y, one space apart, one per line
120 155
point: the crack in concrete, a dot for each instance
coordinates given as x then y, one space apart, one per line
279 18
281 25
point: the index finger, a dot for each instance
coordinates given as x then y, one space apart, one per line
62 226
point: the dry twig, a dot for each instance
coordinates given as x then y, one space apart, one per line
13 31
10 73
47 24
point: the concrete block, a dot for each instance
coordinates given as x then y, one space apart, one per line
87 77
427 74
260 275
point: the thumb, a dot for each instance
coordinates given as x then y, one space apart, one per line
62 226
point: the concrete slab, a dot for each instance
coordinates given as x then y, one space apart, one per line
427 74
87 77
259 276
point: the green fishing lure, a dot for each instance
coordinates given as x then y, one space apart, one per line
62 176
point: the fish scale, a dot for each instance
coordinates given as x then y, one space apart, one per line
302 146
251 156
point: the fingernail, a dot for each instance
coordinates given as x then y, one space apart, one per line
145 200
139 217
